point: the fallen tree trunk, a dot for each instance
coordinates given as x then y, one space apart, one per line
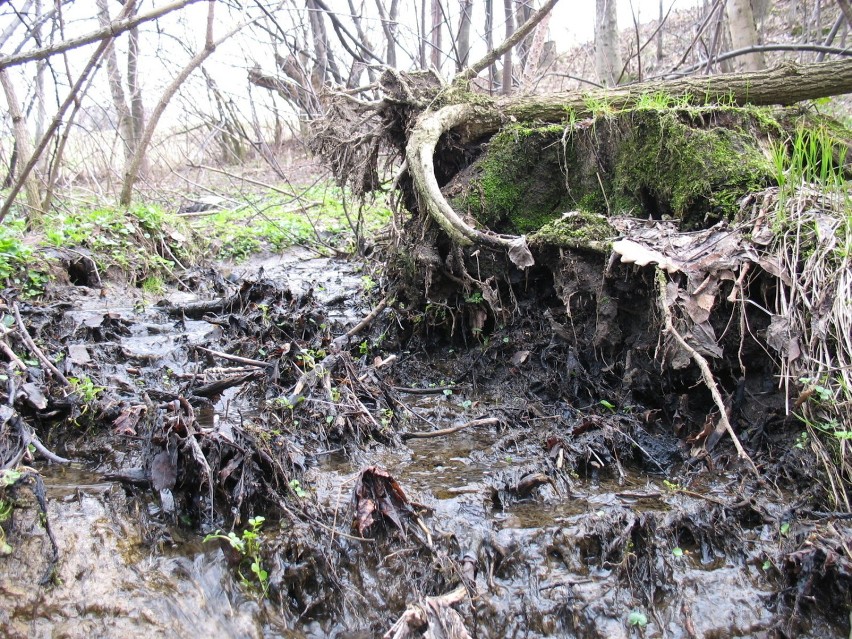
475 118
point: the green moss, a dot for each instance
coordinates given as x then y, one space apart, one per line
662 158
518 184
577 229
689 170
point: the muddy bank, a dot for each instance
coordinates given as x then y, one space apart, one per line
567 501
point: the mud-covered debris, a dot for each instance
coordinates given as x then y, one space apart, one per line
433 617
377 497
164 470
125 423
530 482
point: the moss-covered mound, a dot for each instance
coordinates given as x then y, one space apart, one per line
691 163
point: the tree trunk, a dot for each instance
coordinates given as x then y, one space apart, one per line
435 34
423 41
389 26
744 33
489 43
116 89
137 107
783 85
22 143
507 58
463 39
533 58
607 52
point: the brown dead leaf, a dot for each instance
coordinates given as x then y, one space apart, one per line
125 423
377 497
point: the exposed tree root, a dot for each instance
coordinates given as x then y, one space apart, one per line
704 367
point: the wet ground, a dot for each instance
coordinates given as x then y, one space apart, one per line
557 515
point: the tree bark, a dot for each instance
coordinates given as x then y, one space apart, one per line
607 54
744 33
116 89
489 43
507 57
22 143
463 38
137 107
437 21
784 85
533 58
389 26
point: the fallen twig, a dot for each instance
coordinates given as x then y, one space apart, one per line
13 358
235 358
364 323
28 340
487 421
435 390
704 367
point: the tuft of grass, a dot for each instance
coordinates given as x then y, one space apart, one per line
153 285
809 155
811 214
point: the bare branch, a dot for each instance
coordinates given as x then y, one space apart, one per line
473 70
764 47
132 171
109 32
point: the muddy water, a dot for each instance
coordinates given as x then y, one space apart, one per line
109 582
572 557
540 568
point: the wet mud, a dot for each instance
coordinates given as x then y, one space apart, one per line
498 479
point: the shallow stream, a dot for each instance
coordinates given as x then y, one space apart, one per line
602 548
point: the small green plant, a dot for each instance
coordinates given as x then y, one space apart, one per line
823 393
368 283
811 155
599 107
85 388
637 619
153 285
660 100
474 298
297 489
19 265
677 551
607 404
8 477
5 513
248 545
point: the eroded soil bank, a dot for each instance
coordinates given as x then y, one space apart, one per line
566 486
